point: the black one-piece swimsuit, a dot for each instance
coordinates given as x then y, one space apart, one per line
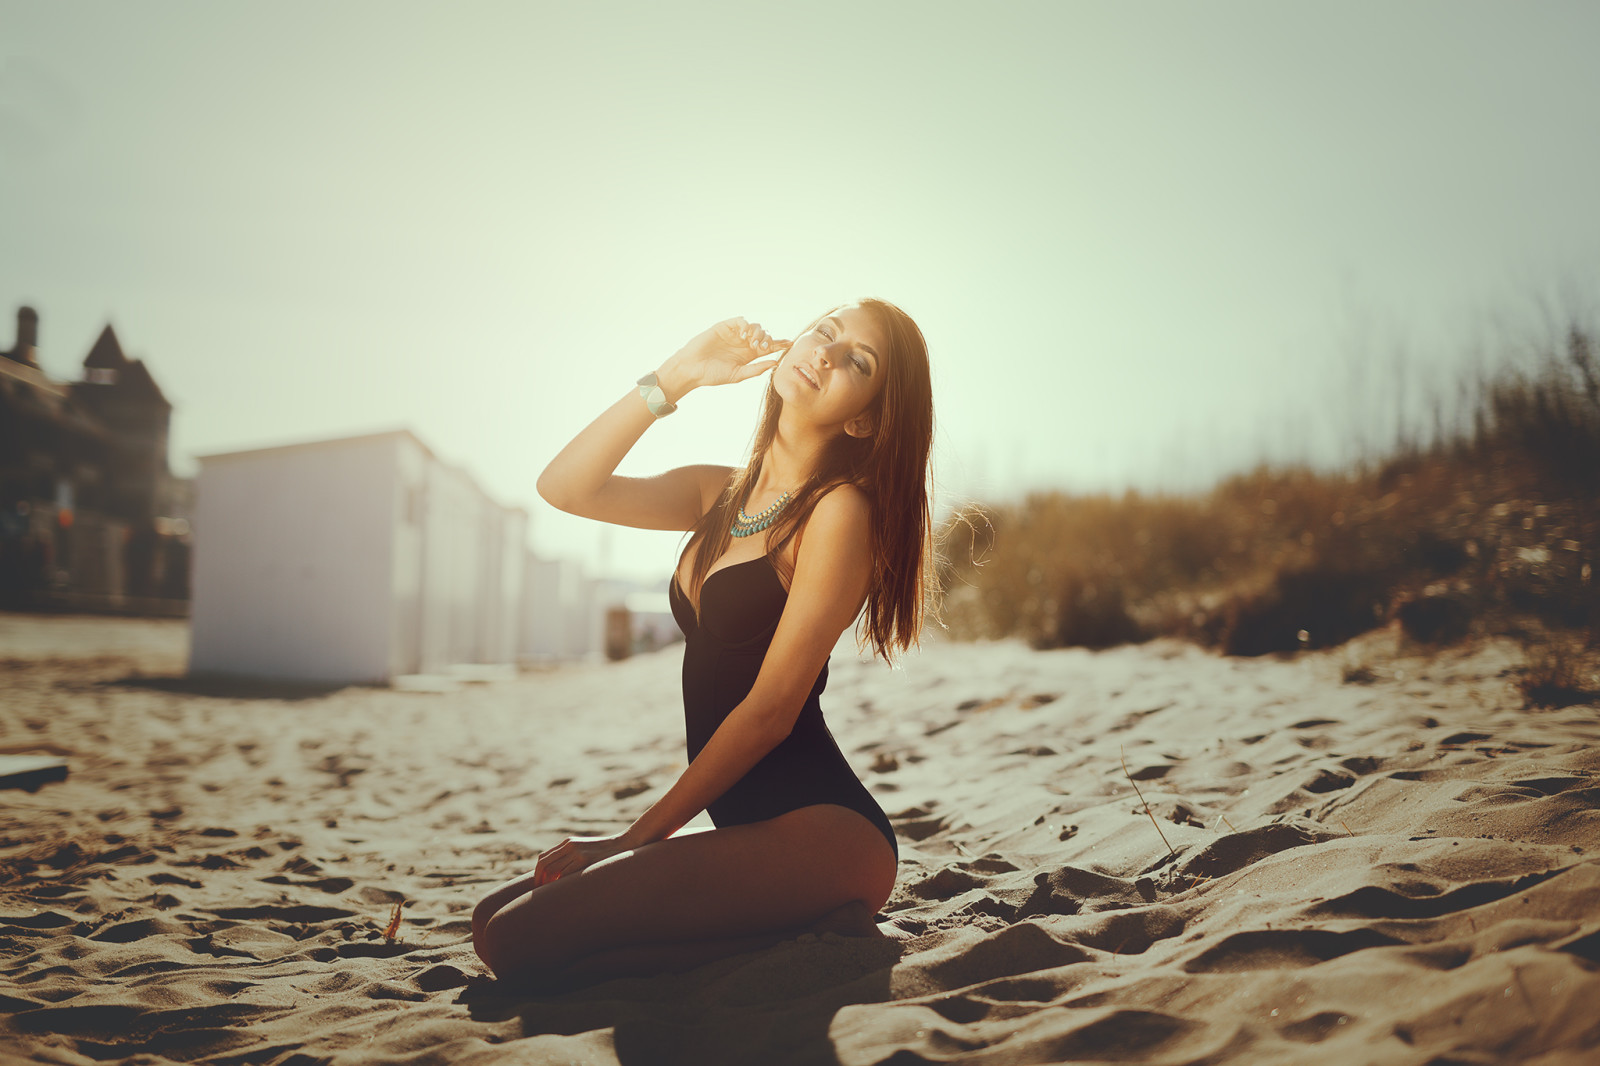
739 610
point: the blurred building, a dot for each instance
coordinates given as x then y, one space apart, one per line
653 625
358 560
558 611
90 515
566 615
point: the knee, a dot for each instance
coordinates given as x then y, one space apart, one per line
483 943
508 946
486 908
488 936
489 940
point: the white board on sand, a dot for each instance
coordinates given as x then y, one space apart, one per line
31 771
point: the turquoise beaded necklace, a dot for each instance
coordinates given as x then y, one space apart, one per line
744 524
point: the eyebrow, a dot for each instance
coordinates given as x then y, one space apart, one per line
859 344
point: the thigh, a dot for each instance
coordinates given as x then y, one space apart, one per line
507 891
729 882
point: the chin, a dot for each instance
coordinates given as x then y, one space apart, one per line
787 387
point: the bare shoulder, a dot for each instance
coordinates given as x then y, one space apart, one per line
833 559
845 502
842 517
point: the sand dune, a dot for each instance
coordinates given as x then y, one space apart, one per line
1400 871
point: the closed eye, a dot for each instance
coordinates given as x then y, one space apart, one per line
860 363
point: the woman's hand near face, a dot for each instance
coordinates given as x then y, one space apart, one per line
574 854
729 351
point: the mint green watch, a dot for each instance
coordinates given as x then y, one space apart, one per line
654 397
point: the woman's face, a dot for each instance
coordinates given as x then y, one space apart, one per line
834 371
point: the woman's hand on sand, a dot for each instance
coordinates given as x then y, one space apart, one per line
574 854
729 351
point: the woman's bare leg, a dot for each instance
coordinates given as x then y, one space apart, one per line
737 886
504 893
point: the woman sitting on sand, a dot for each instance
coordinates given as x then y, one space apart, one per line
829 515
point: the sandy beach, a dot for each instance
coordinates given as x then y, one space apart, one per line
1361 855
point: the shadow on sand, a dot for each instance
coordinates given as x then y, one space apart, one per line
232 688
773 1006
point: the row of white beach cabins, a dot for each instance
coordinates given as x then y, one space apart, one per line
368 560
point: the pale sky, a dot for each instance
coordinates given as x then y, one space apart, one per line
1148 243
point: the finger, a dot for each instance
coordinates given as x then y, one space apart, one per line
750 370
771 348
763 344
547 859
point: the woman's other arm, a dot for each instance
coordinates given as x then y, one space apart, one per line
831 575
580 479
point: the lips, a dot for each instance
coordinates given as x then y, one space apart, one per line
805 376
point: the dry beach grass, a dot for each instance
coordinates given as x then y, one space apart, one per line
1493 529
1376 856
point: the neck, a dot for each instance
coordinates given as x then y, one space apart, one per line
791 458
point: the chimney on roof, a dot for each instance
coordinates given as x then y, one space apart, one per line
26 351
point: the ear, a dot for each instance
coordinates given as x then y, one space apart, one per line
859 426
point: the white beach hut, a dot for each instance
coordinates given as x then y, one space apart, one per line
504 585
356 560
559 619
539 635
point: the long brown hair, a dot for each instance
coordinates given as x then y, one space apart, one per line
890 465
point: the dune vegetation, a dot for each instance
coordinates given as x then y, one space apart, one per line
1489 530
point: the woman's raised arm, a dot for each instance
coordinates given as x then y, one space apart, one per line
581 480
